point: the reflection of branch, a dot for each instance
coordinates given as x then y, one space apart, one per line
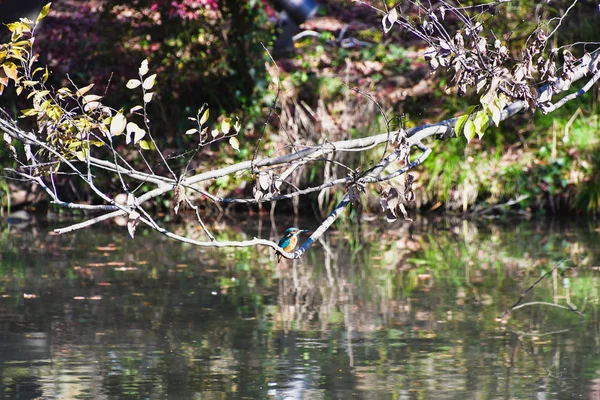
545 303
518 304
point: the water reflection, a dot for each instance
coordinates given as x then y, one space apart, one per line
406 313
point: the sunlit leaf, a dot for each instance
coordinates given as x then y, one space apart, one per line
137 132
148 97
145 145
469 131
45 10
234 143
204 117
191 131
29 112
133 83
149 82
481 122
82 91
136 108
117 124
226 125
143 70
90 98
460 123
138 135
133 222
91 106
389 20
10 69
214 133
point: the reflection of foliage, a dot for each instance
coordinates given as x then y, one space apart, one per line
170 319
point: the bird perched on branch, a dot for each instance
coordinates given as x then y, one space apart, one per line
289 240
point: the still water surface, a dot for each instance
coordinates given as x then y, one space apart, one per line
393 312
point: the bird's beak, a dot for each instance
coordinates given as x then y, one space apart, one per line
305 231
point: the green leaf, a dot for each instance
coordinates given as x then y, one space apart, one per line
469 130
45 10
460 123
493 112
481 122
145 145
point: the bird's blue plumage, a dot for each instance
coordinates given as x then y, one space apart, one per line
289 240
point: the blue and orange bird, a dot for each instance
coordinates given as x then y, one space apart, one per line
289 240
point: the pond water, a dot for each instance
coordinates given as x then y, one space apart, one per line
386 312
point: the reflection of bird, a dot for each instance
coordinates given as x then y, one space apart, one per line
289 240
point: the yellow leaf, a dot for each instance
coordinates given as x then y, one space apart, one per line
226 125
44 12
29 112
234 143
117 124
149 82
145 145
133 83
10 69
3 78
143 70
204 117
84 90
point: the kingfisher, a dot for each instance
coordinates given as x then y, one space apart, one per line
289 240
